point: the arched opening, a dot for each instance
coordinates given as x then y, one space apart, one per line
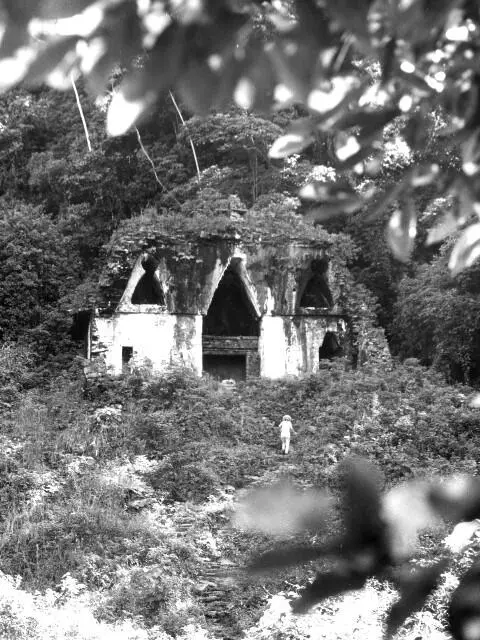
231 329
149 288
331 347
316 293
231 313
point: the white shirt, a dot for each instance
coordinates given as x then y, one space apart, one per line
286 428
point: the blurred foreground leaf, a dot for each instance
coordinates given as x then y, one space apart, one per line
464 608
283 510
414 590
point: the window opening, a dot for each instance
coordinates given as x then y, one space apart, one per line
149 288
231 313
317 293
331 347
127 356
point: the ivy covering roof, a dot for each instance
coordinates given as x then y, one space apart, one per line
227 227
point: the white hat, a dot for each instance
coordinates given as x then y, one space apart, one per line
286 418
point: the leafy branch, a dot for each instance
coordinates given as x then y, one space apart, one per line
379 539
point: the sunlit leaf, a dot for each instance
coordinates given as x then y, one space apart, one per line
461 536
322 191
457 498
474 402
138 92
407 511
365 153
424 175
334 198
329 210
123 114
466 250
325 99
328 120
402 230
414 590
288 144
464 607
327 585
348 148
282 510
48 59
447 225
14 68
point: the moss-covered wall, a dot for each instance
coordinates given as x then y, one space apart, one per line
274 272
190 274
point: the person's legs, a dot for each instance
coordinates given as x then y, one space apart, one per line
287 444
284 443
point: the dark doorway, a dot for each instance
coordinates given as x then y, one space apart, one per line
79 329
317 293
225 367
149 288
231 313
331 347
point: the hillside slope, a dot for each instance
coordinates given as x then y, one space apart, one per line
122 493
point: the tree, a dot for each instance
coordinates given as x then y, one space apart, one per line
36 268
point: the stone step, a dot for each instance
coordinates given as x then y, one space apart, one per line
214 614
213 598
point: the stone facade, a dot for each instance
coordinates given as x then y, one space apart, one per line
222 306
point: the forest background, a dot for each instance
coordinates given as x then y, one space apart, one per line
61 203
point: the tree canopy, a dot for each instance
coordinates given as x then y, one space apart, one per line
422 59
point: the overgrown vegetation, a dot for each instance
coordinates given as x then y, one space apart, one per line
129 489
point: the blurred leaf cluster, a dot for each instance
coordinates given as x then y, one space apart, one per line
356 67
378 540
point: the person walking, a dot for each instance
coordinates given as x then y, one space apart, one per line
286 429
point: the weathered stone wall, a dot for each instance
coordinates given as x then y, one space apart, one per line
190 273
273 275
231 345
158 340
289 345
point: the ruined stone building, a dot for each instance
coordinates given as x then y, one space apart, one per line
225 306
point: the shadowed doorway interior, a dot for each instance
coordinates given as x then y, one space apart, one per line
230 320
